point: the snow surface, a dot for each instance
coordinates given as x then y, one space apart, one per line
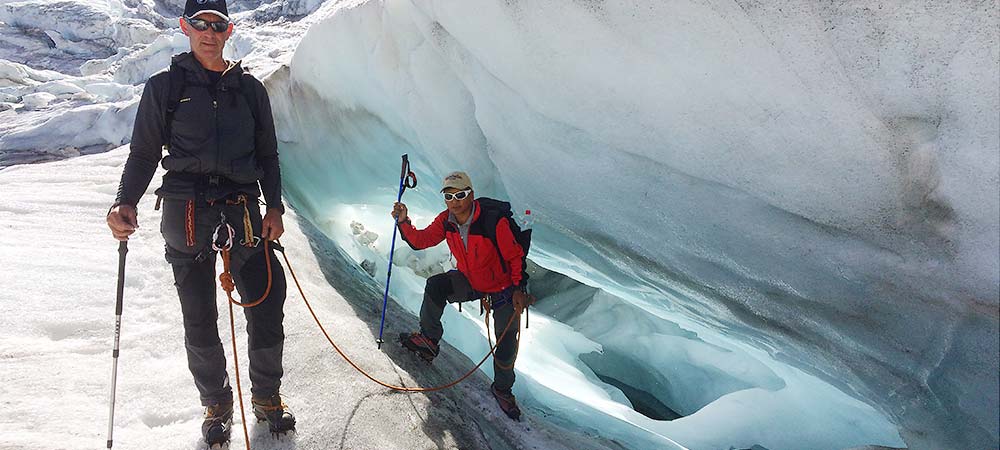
779 220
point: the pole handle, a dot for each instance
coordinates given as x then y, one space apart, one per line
122 251
407 179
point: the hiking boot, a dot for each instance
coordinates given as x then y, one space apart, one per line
420 344
273 411
217 424
507 403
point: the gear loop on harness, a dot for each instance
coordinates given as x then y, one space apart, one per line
249 240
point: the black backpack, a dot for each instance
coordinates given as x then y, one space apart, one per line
492 211
178 81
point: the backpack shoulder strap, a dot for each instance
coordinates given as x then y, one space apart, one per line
492 211
249 92
176 75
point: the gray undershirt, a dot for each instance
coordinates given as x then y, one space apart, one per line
463 229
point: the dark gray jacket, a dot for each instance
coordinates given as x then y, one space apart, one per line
213 133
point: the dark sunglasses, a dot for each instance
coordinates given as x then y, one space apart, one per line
460 195
202 25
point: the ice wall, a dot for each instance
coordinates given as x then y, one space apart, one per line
818 181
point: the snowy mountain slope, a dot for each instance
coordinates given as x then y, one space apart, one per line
71 71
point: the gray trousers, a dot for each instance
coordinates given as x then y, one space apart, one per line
453 287
195 279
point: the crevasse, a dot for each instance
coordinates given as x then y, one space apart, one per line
778 221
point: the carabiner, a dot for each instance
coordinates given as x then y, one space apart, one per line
256 242
228 243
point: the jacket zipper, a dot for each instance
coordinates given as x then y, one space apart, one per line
465 250
218 145
215 113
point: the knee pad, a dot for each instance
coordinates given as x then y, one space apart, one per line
439 287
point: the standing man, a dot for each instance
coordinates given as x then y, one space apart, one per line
214 120
490 265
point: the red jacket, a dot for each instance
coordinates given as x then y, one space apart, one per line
480 262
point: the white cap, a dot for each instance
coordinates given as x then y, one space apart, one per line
457 180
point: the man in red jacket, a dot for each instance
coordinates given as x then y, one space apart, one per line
480 274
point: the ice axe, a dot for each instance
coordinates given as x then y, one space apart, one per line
122 250
407 179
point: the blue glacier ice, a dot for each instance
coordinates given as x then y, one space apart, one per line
777 220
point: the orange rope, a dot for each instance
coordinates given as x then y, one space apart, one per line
517 341
366 374
228 285
239 387
226 280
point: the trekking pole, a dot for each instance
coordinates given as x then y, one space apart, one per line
407 179
122 250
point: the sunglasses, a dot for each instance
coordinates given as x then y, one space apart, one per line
202 25
460 195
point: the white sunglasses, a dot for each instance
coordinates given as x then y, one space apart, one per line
460 195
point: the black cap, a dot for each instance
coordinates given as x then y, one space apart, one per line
194 7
